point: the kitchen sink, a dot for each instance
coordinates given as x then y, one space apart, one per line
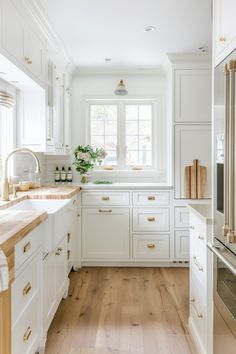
60 214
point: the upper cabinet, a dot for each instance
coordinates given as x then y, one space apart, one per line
22 43
192 102
224 29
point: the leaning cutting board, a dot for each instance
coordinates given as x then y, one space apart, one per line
195 181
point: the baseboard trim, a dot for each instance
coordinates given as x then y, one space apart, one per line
132 263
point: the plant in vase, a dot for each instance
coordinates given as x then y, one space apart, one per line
86 158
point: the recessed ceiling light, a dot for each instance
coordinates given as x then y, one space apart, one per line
149 28
107 59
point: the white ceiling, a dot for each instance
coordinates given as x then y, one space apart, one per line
92 30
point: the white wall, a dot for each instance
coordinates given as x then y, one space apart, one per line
103 86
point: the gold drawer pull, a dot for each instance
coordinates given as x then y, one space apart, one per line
68 237
68 255
27 289
27 247
151 219
58 251
151 197
105 198
27 334
200 237
200 268
222 39
199 315
151 245
105 211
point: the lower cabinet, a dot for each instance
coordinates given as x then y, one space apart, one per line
105 233
55 281
182 244
151 246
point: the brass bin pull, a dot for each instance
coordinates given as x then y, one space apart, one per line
151 197
151 245
27 334
27 247
27 288
105 198
199 315
105 211
152 219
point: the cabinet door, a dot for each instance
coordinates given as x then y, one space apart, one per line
193 96
224 28
182 244
49 290
12 32
61 267
58 113
67 121
191 142
105 233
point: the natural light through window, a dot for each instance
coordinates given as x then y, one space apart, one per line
6 134
124 129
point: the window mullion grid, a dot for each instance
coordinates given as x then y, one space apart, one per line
122 135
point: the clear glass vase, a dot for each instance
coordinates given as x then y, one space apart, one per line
84 178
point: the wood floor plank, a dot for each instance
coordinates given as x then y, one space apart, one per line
123 311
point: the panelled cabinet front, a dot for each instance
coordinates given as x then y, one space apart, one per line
105 233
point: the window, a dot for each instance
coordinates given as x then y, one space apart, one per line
124 129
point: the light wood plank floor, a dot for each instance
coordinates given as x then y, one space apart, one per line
123 311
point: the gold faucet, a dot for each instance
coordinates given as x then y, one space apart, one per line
5 181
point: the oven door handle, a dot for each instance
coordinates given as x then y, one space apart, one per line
221 255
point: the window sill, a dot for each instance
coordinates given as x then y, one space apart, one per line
126 173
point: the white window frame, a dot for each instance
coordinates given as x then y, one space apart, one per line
122 170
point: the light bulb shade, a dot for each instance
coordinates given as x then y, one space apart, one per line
121 90
6 99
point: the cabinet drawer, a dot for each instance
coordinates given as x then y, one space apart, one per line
25 333
182 244
151 219
25 287
105 198
151 198
151 247
181 217
28 245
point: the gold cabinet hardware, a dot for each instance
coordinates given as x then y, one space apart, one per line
151 245
68 255
192 227
28 60
152 219
193 302
200 237
78 215
105 198
151 197
27 289
195 261
68 237
26 247
27 334
58 251
222 39
105 211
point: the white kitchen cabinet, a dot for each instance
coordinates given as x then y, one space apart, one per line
181 244
224 29
181 217
152 247
192 141
49 289
192 102
61 268
151 219
105 233
22 43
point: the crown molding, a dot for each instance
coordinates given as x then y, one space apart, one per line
36 11
117 72
176 58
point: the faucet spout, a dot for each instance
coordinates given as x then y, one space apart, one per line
5 182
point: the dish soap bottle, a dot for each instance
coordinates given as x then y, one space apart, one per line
69 175
63 174
57 175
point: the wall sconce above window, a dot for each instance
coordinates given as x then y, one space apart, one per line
121 90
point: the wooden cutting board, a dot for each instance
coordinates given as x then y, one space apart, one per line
195 181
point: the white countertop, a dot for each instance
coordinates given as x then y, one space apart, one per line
124 186
204 211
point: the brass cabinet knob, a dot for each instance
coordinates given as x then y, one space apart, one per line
28 60
58 251
222 39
